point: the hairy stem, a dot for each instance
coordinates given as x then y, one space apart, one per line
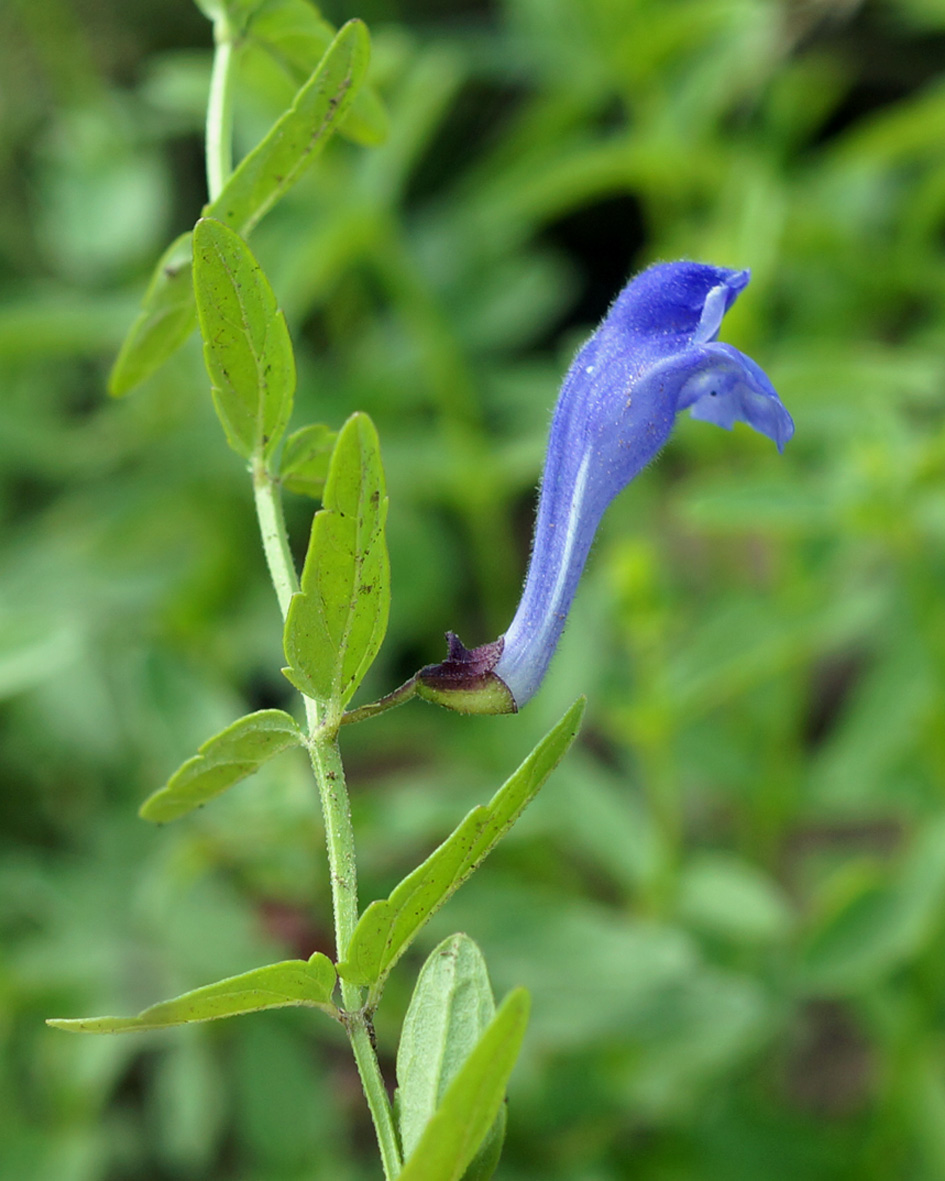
404 693
323 747
274 538
220 108
343 870
362 1043
339 834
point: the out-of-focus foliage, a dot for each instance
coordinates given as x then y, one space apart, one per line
729 901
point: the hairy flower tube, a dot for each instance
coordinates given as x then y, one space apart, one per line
654 355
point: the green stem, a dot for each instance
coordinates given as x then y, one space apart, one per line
275 541
220 108
339 834
397 697
342 867
362 1043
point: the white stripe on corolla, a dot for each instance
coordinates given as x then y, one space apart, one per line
528 649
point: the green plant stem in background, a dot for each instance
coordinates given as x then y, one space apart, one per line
220 107
339 833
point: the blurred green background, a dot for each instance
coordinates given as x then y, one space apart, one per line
729 902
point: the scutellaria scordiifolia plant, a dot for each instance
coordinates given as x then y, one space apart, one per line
655 354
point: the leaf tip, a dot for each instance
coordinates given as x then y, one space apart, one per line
355 27
146 812
519 1000
116 386
576 712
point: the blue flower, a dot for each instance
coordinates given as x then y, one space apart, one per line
654 355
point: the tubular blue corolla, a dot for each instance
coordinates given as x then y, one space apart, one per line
654 355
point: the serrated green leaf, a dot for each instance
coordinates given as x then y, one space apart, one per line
166 319
450 1010
168 314
247 349
388 926
291 982
223 760
294 34
305 458
336 623
473 1099
290 147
